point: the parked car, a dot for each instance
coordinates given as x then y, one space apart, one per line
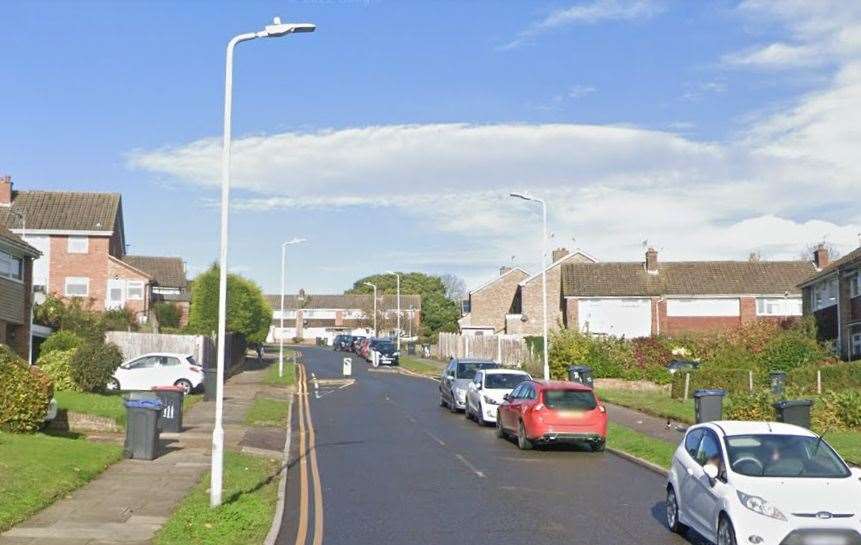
357 340
388 352
158 369
363 348
682 365
484 394
545 412
762 482
456 378
342 342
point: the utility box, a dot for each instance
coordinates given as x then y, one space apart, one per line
581 374
348 367
708 405
795 412
171 398
778 382
210 383
142 433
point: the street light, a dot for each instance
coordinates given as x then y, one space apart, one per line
527 197
277 28
375 306
23 217
398 276
281 325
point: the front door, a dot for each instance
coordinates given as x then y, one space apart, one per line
116 294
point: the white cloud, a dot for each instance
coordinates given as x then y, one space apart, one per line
580 91
777 56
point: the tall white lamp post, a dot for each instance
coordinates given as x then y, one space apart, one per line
275 30
398 276
375 305
281 324
527 197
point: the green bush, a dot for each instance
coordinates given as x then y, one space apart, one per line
837 411
756 405
25 393
167 314
57 364
93 364
791 350
119 319
836 375
734 381
61 340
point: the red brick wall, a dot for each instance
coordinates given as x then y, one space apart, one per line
748 309
572 313
93 265
120 271
675 325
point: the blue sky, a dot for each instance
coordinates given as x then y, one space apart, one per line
391 136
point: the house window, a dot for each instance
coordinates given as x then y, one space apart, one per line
78 245
10 266
855 285
855 341
825 294
77 286
134 290
778 306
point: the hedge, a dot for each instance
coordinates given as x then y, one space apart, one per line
25 393
57 364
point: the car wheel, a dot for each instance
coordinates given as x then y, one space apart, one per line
725 533
523 442
500 431
466 412
673 513
185 385
113 385
598 446
441 401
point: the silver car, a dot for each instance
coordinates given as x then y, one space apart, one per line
456 378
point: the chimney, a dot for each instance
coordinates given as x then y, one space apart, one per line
503 270
652 261
559 253
5 190
820 257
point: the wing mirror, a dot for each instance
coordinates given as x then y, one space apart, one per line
506 397
711 472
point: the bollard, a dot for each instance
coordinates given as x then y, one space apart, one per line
687 385
750 381
347 368
819 381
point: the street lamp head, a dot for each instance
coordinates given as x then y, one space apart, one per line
392 272
523 196
277 28
370 285
294 241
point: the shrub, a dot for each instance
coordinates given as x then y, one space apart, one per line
167 314
651 356
61 340
57 364
756 405
836 375
790 350
734 381
837 411
93 364
118 319
25 393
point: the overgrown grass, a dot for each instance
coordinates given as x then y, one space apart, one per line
109 405
267 412
420 366
250 493
654 403
643 446
272 378
36 469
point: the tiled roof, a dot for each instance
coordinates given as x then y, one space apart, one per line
852 258
64 210
338 301
14 241
166 271
684 278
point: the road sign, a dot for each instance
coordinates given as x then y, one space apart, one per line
348 366
375 358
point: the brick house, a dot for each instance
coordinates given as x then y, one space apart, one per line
16 291
82 241
832 295
489 303
169 281
637 299
527 314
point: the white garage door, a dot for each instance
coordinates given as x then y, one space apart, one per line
616 317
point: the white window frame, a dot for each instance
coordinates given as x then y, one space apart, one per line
827 289
855 345
78 245
778 306
855 285
10 263
85 280
138 284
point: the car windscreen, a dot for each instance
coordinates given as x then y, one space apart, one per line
771 455
467 369
191 360
385 346
503 381
579 400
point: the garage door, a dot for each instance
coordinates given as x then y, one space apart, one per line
616 317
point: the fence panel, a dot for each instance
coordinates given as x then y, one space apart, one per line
134 344
509 350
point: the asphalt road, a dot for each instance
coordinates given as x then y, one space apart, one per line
395 468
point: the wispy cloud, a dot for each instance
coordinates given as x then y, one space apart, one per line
587 14
777 56
580 91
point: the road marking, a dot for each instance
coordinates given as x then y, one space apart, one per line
315 474
471 467
302 526
435 438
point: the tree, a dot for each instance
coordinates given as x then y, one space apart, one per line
248 312
455 287
808 251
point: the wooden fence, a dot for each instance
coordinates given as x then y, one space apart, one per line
202 347
509 350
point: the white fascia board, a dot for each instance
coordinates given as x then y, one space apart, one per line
63 232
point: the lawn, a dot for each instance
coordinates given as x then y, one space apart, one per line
847 443
654 403
36 469
267 412
421 366
109 405
250 493
657 451
272 378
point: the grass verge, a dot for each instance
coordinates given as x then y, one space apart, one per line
420 366
108 405
36 469
847 443
654 403
638 444
250 494
267 412
272 378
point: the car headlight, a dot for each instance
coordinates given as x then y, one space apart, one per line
490 400
396 354
761 506
461 394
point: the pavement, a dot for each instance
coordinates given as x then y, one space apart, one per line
132 499
376 460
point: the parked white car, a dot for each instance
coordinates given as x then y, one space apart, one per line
158 369
484 394
763 483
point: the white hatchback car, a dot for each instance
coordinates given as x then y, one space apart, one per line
484 394
158 369
763 483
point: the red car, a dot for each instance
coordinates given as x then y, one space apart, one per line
548 411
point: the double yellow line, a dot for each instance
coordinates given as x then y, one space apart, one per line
307 450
